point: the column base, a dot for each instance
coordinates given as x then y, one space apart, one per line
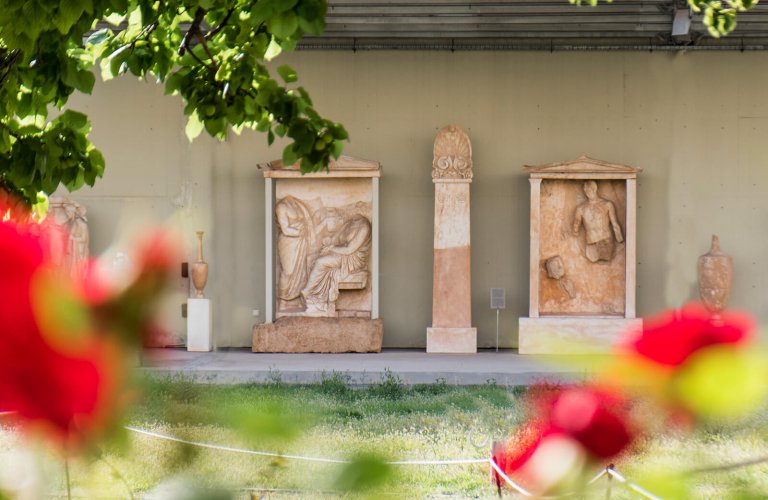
572 334
452 340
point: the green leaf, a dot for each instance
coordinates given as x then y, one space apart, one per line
40 207
287 73
75 120
338 148
68 14
99 37
283 25
115 19
34 19
273 50
723 382
289 155
194 126
365 471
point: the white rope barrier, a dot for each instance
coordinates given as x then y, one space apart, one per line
634 487
608 471
235 450
465 461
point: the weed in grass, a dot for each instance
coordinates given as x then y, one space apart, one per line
439 387
274 377
390 388
336 384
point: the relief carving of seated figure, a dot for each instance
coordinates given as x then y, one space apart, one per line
342 262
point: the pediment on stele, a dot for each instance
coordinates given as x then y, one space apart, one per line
583 165
343 163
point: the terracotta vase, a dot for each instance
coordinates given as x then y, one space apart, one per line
199 268
715 277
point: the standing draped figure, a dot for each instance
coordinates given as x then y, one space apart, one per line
295 245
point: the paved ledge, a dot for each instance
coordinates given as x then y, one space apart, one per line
238 366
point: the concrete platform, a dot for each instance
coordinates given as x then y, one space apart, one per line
235 366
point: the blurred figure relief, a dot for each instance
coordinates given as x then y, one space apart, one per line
68 236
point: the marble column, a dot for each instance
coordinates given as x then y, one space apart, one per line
451 330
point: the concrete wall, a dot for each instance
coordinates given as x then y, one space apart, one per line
697 123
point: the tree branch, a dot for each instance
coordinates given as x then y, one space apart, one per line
8 63
194 31
221 25
193 28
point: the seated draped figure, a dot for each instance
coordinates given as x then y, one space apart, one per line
320 252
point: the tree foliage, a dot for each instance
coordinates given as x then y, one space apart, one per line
719 15
210 52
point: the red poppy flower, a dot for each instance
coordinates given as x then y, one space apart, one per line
65 384
596 418
510 456
671 338
570 426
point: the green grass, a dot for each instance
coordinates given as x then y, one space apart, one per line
332 420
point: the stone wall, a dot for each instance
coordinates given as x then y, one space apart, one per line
705 170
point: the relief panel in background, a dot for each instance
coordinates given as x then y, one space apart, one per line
323 235
577 277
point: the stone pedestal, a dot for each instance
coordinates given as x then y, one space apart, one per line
302 334
199 325
451 330
569 335
582 261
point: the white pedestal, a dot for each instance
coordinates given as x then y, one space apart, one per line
573 335
199 325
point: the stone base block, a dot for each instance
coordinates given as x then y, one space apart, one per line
303 334
199 325
572 334
452 340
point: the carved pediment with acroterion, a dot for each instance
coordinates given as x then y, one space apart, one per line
344 166
582 168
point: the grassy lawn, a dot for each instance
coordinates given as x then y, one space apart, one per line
387 420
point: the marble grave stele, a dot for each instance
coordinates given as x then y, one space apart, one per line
582 257
451 330
322 259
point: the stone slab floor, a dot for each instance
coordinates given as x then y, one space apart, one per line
231 366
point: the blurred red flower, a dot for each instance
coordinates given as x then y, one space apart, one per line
65 384
672 337
62 369
576 425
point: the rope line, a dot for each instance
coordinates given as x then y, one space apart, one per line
634 487
464 461
608 471
731 466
